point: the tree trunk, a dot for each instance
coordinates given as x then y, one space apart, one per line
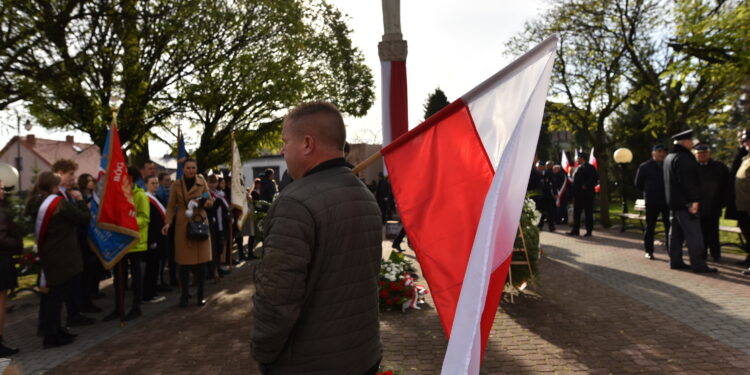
600 151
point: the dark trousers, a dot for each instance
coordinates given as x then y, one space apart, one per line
685 227
52 311
562 211
399 238
151 273
131 261
74 296
583 204
217 246
652 214
169 260
710 231
93 273
199 275
743 221
549 212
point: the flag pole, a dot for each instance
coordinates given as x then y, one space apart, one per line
367 162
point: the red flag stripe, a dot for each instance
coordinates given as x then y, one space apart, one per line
438 202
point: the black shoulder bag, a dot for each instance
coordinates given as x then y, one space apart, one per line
197 228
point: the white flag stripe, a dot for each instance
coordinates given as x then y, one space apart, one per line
502 207
385 84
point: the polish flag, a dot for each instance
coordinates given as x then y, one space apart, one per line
565 163
592 159
460 180
575 160
395 114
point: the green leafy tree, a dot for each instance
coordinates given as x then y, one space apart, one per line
227 65
435 102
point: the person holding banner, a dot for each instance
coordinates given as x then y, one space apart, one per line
188 200
11 243
56 221
156 243
134 257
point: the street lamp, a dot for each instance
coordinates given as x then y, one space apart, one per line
622 157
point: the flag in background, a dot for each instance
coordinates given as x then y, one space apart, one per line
113 229
463 229
239 193
565 163
592 159
181 153
575 160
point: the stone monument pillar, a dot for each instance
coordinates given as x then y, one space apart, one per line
392 51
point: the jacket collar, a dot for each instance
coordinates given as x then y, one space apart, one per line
680 149
335 162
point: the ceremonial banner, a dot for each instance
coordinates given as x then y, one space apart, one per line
460 179
181 153
239 193
113 229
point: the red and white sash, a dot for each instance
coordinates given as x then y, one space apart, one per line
44 215
159 206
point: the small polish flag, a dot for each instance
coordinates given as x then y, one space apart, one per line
463 228
592 159
565 163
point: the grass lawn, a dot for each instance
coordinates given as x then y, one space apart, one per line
615 207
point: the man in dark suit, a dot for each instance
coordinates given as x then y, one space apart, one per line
650 180
682 186
548 208
585 179
715 191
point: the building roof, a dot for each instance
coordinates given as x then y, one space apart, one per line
87 155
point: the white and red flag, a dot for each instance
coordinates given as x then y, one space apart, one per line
575 159
460 179
592 159
565 163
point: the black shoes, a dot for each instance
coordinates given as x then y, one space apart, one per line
133 314
650 256
682 266
111 316
5 350
91 309
573 233
56 341
80 320
746 272
588 234
706 270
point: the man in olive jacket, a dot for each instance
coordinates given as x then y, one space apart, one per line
682 187
316 300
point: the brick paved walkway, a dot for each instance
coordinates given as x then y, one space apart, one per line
600 307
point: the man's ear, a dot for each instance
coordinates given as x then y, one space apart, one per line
309 145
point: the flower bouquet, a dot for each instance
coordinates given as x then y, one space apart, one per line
397 284
29 262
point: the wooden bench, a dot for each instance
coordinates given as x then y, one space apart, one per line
640 211
741 245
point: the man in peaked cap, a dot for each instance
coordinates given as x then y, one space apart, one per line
682 187
715 192
585 179
650 180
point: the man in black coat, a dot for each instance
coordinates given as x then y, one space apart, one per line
650 180
585 179
715 191
548 208
682 186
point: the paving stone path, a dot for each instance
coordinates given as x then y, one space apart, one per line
599 308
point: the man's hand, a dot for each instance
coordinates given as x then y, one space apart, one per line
165 229
76 195
693 209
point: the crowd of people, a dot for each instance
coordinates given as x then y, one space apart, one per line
685 187
59 206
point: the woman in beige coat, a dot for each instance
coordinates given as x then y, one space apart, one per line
189 254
